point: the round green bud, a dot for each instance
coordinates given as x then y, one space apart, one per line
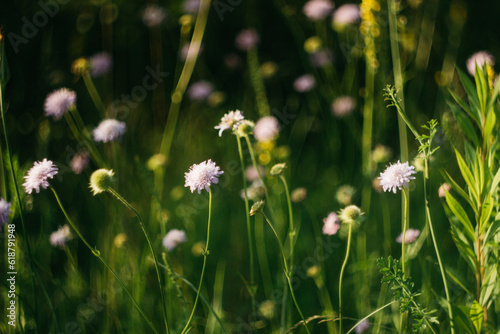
101 180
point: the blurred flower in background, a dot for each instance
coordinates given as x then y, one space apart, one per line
58 102
100 64
247 39
304 83
343 106
318 9
173 239
153 15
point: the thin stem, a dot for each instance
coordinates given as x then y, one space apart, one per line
128 205
429 221
405 226
96 98
257 82
205 253
287 272
98 255
369 315
249 231
290 215
349 235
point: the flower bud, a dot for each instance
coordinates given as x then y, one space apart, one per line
257 207
101 180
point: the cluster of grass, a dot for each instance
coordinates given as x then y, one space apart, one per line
357 129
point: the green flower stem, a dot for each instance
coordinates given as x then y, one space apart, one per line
128 205
98 255
96 98
349 237
257 83
405 226
438 254
205 253
76 125
249 230
290 215
287 272
187 71
369 315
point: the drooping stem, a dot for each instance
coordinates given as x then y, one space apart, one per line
96 98
205 253
290 215
98 255
249 230
287 272
369 315
342 275
128 205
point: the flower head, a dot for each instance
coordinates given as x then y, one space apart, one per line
318 9
101 180
298 195
254 192
351 214
200 91
79 162
153 15
396 176
173 239
321 58
38 174
244 127
191 6
277 169
100 64
381 154
58 102
109 130
344 194
252 174
331 224
343 106
247 39
362 327
267 309
443 189
201 176
304 83
59 237
257 207
410 236
345 15
266 129
4 211
480 58
229 121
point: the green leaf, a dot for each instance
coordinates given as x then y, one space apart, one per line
467 175
489 284
492 230
476 316
462 320
465 107
465 124
460 213
495 181
486 210
459 190
494 96
482 87
463 245
489 124
471 93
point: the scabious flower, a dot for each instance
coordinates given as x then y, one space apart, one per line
251 173
101 180
173 239
410 236
362 327
344 194
79 162
298 195
318 9
247 39
191 6
480 58
200 91
443 189
351 214
345 15
38 174
4 212
331 224
58 102
396 176
153 15
244 127
100 64
201 176
321 58
266 129
343 106
109 130
304 83
229 121
60 237
254 192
